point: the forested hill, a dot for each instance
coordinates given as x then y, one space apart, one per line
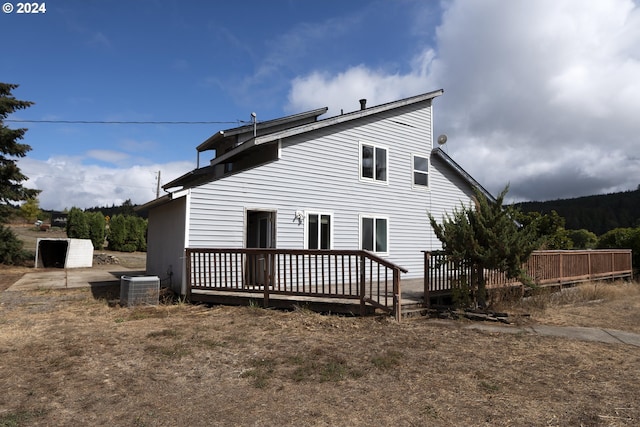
598 214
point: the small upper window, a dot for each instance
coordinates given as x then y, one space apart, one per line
373 162
420 171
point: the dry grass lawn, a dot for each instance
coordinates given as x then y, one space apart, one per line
74 358
69 358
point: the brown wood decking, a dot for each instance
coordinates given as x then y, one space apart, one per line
359 282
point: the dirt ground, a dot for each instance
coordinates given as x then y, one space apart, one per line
74 357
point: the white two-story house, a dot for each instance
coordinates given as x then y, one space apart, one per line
360 180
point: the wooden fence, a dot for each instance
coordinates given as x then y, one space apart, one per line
333 274
544 268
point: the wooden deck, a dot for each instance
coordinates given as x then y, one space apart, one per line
360 283
279 276
554 268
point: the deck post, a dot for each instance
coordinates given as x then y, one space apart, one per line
188 268
427 298
397 295
363 286
613 265
267 278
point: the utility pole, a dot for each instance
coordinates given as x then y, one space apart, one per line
158 187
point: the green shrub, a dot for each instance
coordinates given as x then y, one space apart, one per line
117 235
583 239
127 233
97 224
137 232
86 225
77 225
10 247
622 238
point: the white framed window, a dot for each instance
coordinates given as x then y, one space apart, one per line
318 230
420 167
373 162
374 233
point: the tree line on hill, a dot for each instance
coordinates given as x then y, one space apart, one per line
126 208
598 214
608 221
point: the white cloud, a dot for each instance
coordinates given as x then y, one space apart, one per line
67 182
109 156
342 91
542 94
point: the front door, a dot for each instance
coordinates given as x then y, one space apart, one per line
261 233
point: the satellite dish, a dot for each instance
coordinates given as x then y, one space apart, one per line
442 139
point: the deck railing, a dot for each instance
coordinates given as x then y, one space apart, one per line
544 267
354 275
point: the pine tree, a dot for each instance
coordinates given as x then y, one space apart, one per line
488 237
11 189
77 224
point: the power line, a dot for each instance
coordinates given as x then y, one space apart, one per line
104 122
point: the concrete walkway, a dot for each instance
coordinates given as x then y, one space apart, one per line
611 336
70 278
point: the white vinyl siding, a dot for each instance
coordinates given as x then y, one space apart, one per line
319 172
166 242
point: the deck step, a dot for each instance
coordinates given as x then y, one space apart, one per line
414 310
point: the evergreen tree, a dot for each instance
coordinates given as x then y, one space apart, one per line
77 224
583 239
549 229
488 237
117 236
96 224
11 178
623 238
11 189
127 233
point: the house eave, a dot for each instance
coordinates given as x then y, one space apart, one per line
219 136
210 142
192 175
162 200
153 203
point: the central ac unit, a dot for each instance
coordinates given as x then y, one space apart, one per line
139 290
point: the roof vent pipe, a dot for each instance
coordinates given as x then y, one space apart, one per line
363 104
254 120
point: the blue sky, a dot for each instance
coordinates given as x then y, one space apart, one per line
542 95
